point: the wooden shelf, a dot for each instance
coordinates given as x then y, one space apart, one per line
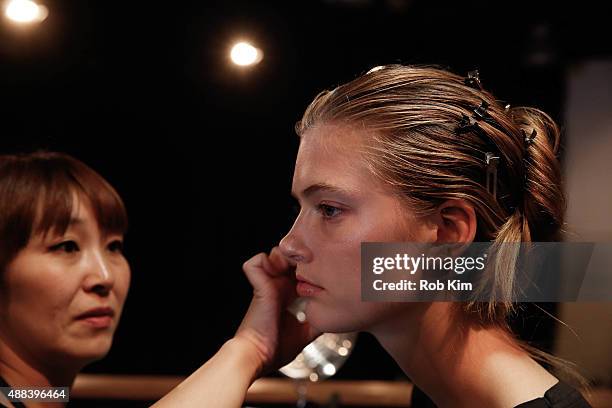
270 390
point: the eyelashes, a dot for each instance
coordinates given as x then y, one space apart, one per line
328 212
71 247
68 247
116 246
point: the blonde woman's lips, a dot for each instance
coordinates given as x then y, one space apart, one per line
305 288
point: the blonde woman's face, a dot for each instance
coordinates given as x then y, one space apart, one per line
62 295
342 205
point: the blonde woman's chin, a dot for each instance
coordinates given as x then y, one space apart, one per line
357 317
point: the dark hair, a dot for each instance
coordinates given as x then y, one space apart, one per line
37 194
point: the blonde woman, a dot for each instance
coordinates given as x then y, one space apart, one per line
398 155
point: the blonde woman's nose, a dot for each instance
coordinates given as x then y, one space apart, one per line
292 249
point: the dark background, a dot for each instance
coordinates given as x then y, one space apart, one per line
202 152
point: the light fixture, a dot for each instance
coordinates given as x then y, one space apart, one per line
25 11
245 54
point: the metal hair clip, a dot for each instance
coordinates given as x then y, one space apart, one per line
473 80
466 124
529 138
481 111
491 161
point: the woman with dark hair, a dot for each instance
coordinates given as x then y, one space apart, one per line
63 277
405 154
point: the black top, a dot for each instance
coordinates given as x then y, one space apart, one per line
560 395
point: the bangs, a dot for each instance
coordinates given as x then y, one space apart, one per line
70 187
39 192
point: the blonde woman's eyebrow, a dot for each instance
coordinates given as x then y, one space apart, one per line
322 187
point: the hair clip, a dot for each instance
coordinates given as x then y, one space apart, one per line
481 111
491 161
507 108
473 80
529 138
466 124
376 68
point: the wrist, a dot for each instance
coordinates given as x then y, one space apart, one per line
247 354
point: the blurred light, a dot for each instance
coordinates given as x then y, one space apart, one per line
301 316
322 357
244 54
25 11
329 369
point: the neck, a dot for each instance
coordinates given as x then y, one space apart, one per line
20 371
460 364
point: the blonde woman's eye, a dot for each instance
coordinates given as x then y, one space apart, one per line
66 246
329 211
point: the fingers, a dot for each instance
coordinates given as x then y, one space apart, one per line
255 272
278 259
280 264
260 270
268 274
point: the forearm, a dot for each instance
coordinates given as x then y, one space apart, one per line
222 382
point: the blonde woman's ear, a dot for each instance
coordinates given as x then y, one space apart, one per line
456 222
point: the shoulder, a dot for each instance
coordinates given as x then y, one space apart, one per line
560 395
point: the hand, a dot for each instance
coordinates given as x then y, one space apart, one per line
275 333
